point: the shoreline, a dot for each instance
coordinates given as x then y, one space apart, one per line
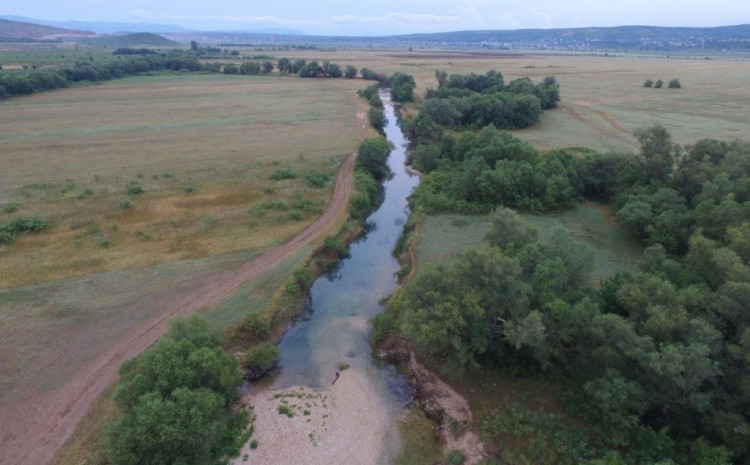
346 423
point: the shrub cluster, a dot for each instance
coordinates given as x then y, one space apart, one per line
10 229
175 399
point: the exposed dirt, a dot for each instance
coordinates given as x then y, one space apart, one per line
35 423
440 403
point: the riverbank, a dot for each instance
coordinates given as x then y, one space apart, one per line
345 423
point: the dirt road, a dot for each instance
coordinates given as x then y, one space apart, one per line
34 424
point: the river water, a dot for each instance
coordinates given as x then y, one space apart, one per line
335 328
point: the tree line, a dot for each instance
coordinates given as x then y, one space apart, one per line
132 61
25 82
655 363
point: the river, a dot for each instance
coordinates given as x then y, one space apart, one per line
334 330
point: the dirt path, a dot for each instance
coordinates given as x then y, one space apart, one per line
34 424
610 128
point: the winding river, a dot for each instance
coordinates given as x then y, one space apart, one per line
335 328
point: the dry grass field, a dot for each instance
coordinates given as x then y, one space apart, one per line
603 97
203 149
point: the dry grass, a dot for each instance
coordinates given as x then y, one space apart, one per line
203 148
603 98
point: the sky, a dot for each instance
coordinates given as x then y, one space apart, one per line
388 17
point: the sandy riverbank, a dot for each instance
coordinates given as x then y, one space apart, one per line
346 423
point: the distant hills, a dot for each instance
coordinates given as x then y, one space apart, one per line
16 31
591 38
596 37
129 40
19 31
103 27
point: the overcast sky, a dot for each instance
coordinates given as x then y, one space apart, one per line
385 17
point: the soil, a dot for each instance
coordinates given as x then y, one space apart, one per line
36 422
440 403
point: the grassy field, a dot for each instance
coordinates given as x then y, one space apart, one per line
443 237
603 98
203 148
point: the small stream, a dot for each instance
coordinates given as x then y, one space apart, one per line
335 328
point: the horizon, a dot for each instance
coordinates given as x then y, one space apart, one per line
389 17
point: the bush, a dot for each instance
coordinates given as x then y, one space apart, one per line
175 400
263 355
659 83
126 203
257 326
316 179
10 207
383 325
134 188
648 83
284 173
455 457
675 84
333 246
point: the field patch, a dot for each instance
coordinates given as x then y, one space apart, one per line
200 150
444 237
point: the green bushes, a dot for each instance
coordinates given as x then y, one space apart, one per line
175 399
134 188
263 355
30 224
25 82
372 157
383 325
284 173
316 179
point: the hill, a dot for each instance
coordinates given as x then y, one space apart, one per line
17 30
129 40
644 37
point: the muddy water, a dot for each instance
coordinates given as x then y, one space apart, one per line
335 329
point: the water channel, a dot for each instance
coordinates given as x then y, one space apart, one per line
335 328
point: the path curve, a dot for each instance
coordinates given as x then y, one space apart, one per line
616 130
33 430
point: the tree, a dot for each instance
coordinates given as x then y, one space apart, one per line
659 83
402 87
249 67
442 78
193 45
372 156
350 72
658 151
674 84
648 83
334 71
509 231
175 399
182 428
377 118
267 66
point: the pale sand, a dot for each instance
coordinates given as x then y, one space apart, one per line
347 424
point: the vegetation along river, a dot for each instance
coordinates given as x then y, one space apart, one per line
335 328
